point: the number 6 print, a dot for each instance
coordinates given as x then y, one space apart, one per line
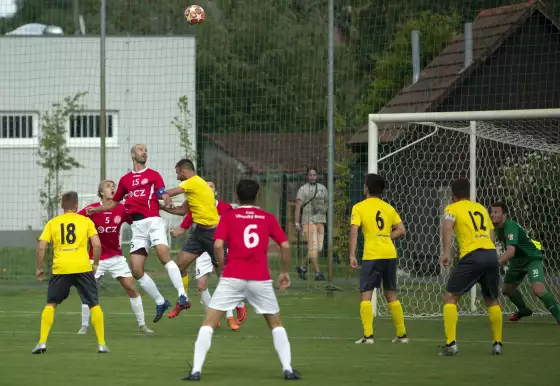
250 239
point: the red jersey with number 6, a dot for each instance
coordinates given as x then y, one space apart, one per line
140 189
108 225
247 230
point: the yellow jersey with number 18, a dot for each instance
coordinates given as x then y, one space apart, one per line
69 233
377 219
472 226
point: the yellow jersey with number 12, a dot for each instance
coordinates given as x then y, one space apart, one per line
377 219
202 201
69 233
472 226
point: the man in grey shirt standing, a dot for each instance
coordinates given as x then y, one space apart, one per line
311 209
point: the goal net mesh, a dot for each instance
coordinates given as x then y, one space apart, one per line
517 161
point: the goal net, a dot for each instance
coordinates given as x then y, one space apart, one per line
515 160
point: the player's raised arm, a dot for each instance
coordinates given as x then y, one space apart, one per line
109 205
175 191
179 211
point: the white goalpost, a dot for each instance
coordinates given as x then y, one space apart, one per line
508 155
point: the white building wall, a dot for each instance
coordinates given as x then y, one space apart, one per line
145 78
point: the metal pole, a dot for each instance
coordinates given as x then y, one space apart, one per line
415 37
468 44
330 124
373 141
472 178
102 112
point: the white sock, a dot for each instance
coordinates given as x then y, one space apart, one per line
229 314
201 347
138 309
176 278
151 289
85 315
241 304
282 346
205 298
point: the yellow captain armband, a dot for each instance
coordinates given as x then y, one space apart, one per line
537 244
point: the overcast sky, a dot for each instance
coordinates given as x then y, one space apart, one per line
7 8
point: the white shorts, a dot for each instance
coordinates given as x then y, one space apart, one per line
116 266
148 232
260 294
204 265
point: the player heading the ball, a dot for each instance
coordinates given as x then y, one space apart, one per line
478 263
247 230
69 233
144 187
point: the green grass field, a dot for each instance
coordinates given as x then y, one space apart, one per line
321 329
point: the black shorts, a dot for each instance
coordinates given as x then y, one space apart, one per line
201 240
59 288
480 266
374 272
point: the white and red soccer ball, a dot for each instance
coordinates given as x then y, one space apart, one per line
194 14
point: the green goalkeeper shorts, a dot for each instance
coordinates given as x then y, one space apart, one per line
516 273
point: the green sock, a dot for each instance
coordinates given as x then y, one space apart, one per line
517 299
551 305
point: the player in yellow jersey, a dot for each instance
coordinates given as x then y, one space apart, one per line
381 224
478 263
69 233
200 200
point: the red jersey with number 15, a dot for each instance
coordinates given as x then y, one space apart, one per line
140 189
108 225
247 230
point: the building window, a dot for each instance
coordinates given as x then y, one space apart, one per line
18 128
85 129
16 125
88 126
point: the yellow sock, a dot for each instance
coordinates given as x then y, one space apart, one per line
398 317
450 318
98 323
47 320
366 313
186 283
495 316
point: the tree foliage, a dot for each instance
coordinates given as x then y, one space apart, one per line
529 185
183 124
394 68
342 169
54 155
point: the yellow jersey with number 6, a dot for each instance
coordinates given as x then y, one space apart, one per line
377 219
472 226
69 233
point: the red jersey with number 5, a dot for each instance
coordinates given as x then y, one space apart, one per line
108 225
247 230
140 189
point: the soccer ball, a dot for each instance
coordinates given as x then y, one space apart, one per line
194 14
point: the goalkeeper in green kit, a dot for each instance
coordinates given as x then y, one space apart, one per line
525 258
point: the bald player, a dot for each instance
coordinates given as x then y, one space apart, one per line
144 187
201 202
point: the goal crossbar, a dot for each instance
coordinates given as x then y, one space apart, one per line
489 115
429 118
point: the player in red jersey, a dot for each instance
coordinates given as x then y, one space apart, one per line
204 267
112 261
247 230
144 187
